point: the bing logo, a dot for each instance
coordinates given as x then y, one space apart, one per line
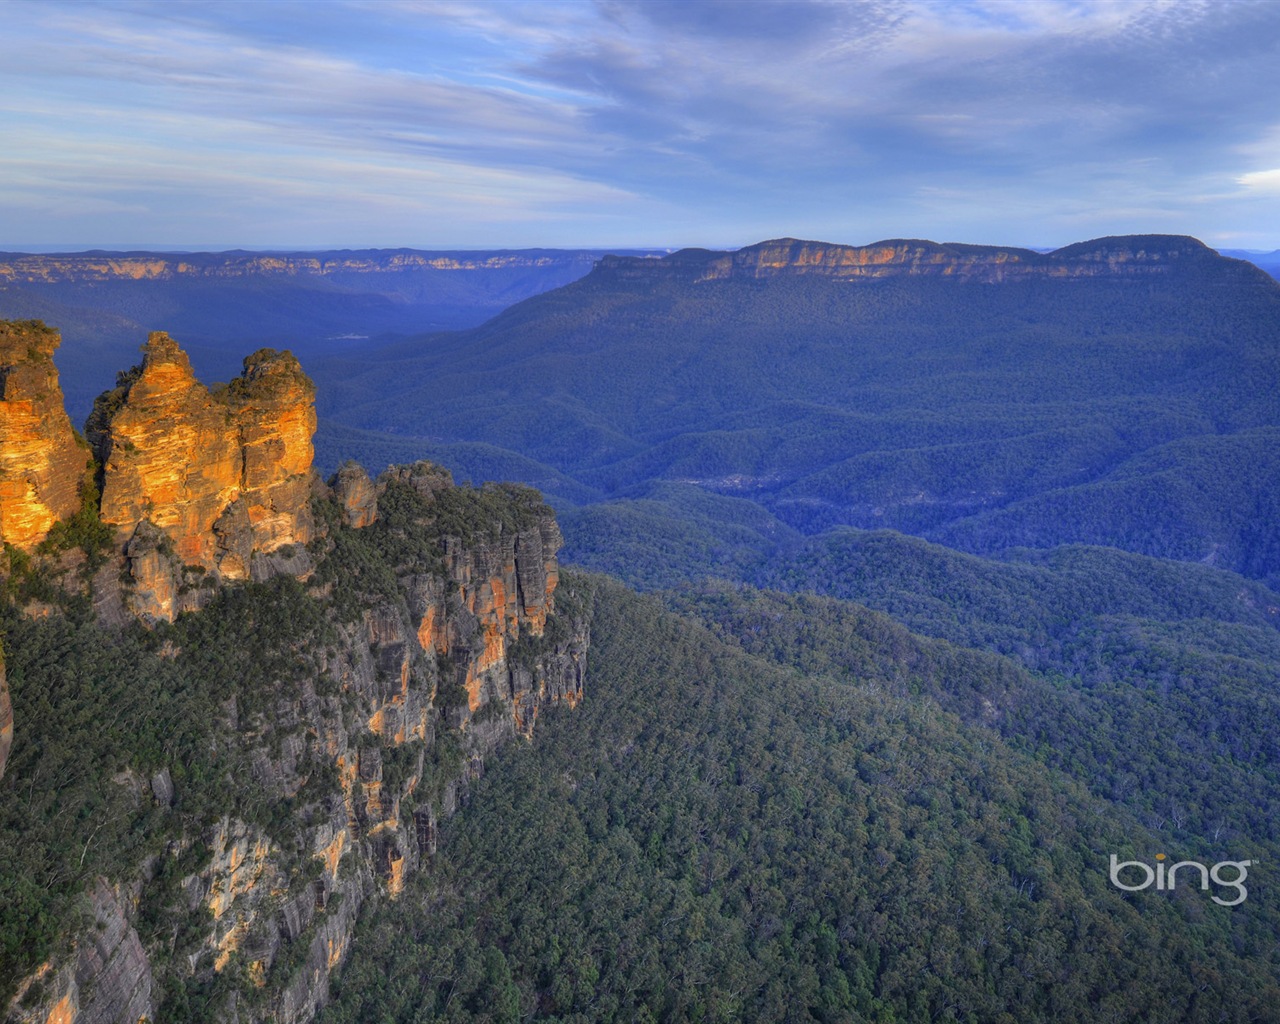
1166 878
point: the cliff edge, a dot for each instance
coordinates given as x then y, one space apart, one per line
354 651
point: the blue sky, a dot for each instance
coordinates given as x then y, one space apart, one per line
471 125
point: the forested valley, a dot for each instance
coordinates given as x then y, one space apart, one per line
912 600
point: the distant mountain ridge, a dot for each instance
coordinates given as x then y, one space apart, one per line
137 265
221 303
1132 254
1268 261
1117 391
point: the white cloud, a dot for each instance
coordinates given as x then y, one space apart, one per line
1262 181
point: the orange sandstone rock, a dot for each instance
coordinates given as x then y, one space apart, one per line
273 403
223 477
357 495
42 464
170 453
63 1011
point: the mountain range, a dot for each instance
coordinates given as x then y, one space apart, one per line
222 304
1119 392
964 566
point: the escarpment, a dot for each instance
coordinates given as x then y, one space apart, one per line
355 651
42 461
154 266
1122 256
486 620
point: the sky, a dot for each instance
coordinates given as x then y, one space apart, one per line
450 124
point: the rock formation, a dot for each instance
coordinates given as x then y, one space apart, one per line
448 647
273 403
42 463
356 493
498 590
210 482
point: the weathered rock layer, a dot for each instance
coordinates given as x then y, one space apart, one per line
194 480
149 266
42 463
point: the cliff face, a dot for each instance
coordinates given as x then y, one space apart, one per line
1120 256
374 745
435 638
107 979
42 466
199 481
498 592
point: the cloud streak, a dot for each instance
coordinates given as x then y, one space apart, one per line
637 123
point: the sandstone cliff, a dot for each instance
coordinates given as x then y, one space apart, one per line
434 636
107 978
1120 256
200 482
42 463
455 648
498 591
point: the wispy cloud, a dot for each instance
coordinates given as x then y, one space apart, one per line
451 122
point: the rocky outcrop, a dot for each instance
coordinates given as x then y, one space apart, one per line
1118 256
356 494
273 403
108 980
200 482
42 463
506 590
497 595
442 641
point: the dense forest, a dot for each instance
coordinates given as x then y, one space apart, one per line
782 809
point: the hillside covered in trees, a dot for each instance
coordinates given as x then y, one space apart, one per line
1120 392
963 565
